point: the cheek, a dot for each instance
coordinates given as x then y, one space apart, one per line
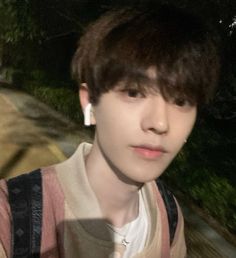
181 128
114 120
185 122
191 121
108 128
186 128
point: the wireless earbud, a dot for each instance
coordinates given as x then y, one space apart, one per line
87 115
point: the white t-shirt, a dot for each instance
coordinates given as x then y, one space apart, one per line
133 235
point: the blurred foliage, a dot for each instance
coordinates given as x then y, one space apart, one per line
17 22
205 171
56 94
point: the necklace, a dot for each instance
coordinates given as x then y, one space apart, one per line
123 236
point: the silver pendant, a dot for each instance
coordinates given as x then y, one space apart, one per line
124 242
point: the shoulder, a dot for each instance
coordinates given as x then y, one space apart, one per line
53 195
175 220
178 247
53 186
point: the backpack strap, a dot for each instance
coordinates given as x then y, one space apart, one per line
171 208
25 199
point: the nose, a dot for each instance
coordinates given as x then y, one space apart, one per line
155 118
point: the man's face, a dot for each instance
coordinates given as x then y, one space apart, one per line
139 135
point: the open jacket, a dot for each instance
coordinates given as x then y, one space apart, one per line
73 225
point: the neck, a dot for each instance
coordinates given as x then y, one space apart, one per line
116 194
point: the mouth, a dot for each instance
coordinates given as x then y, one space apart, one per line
149 151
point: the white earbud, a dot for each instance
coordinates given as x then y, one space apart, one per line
87 115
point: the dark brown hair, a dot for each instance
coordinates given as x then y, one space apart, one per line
123 44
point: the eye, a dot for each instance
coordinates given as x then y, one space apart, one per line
181 102
134 93
130 92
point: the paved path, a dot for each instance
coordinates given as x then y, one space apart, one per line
32 135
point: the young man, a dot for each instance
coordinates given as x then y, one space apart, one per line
143 74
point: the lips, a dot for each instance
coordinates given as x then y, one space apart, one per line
149 151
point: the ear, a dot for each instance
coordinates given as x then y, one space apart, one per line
84 101
83 95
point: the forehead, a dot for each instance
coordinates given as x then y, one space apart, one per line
149 80
143 79
151 73
152 81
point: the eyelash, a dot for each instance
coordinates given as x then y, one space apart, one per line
133 93
181 102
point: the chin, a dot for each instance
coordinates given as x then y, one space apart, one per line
143 180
